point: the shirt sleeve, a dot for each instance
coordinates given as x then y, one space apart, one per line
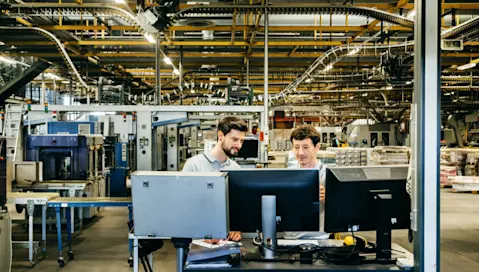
190 166
322 175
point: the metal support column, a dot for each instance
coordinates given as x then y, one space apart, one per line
122 93
425 165
144 140
158 70
265 126
247 72
172 156
180 67
194 137
71 92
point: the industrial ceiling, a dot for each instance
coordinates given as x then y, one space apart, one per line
346 55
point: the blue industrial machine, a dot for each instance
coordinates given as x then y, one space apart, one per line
116 180
64 157
72 128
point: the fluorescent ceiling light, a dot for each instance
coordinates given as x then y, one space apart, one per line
353 52
408 82
389 87
467 66
120 1
149 38
308 80
411 14
328 67
52 76
167 61
176 72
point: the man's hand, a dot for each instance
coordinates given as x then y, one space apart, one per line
212 241
322 193
234 236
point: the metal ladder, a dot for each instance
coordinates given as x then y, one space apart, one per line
12 131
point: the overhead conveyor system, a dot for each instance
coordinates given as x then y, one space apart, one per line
299 9
22 79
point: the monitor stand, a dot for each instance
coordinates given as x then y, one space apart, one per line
268 251
383 199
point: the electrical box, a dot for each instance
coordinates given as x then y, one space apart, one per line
180 204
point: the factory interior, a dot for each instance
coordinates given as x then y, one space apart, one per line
227 135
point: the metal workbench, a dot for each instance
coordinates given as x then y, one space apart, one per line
74 188
82 202
32 200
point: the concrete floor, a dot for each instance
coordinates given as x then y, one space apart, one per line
103 247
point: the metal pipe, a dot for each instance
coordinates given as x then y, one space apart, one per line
247 72
265 127
158 70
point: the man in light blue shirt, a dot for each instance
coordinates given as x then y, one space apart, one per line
305 140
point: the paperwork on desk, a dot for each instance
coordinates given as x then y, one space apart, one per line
221 243
211 257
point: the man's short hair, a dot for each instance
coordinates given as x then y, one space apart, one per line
228 123
306 132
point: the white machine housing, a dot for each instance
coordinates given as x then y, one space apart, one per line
180 204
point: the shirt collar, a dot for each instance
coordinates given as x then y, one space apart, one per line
318 165
212 158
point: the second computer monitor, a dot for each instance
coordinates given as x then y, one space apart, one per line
352 198
297 198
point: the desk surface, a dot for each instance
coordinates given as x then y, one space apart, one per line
319 265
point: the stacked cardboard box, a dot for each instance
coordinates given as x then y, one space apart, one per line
470 168
351 156
390 155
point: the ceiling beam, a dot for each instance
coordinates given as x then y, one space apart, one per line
217 55
380 6
88 28
198 43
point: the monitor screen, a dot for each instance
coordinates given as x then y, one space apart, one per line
249 149
297 198
350 197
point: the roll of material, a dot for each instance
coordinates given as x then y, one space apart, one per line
128 183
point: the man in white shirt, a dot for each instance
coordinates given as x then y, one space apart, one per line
305 140
231 134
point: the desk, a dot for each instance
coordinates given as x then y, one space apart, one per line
81 202
32 200
316 266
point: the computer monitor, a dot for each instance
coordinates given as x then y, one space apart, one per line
368 199
297 198
249 150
